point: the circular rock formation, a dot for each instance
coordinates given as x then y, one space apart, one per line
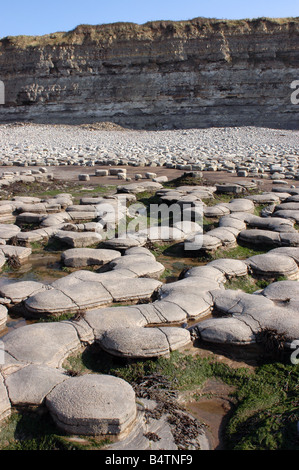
93 405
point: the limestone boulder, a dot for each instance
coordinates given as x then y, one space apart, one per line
78 239
3 316
144 342
230 267
17 291
140 264
225 331
80 257
8 231
106 319
273 266
282 291
93 405
42 343
31 384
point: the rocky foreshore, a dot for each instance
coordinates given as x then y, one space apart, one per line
115 295
245 150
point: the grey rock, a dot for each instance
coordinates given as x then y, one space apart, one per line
225 331
31 384
229 267
78 257
5 406
93 405
42 343
273 266
144 342
78 239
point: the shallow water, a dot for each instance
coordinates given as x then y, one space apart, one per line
40 267
211 412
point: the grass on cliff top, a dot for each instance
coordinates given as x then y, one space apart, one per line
197 27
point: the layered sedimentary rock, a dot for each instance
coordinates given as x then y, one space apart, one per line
194 73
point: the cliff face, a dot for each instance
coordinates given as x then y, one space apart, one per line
195 73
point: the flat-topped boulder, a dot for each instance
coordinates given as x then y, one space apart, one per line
260 237
163 233
8 231
188 227
80 216
206 272
132 289
226 237
30 385
237 302
26 199
82 291
287 214
82 208
63 199
208 243
21 253
284 189
292 198
144 342
225 331
42 343
94 200
270 223
163 312
192 295
289 239
93 405
288 206
17 291
216 211
230 221
55 219
265 198
140 250
78 239
37 207
243 204
124 243
246 315
105 319
273 266
282 291
140 264
30 237
67 295
29 218
292 252
80 257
